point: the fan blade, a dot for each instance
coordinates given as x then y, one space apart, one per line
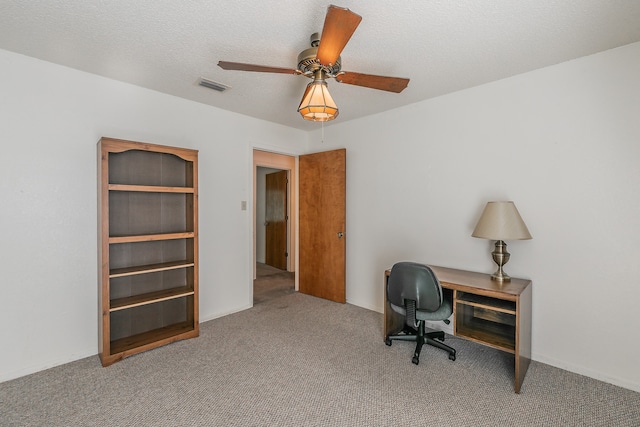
251 67
390 84
339 25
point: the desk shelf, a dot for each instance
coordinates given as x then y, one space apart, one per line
493 334
490 321
495 304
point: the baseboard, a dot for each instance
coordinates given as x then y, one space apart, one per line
581 370
8 376
225 313
366 306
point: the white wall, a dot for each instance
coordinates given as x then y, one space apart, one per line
51 118
563 143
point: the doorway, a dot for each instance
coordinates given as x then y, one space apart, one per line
274 225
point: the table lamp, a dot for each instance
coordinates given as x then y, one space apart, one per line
501 221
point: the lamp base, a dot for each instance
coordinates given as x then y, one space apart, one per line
500 277
500 257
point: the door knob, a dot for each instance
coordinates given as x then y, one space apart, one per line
340 234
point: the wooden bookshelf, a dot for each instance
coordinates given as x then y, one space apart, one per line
148 246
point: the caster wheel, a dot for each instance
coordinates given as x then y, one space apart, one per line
415 360
387 342
452 357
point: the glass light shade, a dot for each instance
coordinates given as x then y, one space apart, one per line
317 104
501 221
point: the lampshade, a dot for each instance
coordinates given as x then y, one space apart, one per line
501 221
317 104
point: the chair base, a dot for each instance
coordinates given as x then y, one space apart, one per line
420 337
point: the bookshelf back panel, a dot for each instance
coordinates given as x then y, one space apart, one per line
136 213
121 287
133 321
137 167
124 255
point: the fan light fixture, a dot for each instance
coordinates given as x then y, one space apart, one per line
317 104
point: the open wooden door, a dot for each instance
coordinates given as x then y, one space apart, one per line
276 220
322 218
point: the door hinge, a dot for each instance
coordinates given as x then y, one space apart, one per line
286 254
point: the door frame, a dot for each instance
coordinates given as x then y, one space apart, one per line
289 162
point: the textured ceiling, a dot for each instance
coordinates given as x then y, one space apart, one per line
441 45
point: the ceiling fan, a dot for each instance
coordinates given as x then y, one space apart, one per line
323 61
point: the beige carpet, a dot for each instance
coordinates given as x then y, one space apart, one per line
296 360
271 283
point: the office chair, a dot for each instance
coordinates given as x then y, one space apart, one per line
413 290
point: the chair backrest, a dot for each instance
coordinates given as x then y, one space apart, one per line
415 282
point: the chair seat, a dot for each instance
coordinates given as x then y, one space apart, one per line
444 312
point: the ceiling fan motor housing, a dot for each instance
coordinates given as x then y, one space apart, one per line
308 62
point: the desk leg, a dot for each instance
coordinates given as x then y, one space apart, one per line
393 322
523 337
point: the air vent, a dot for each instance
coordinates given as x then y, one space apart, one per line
213 85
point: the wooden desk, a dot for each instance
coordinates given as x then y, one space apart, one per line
484 311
